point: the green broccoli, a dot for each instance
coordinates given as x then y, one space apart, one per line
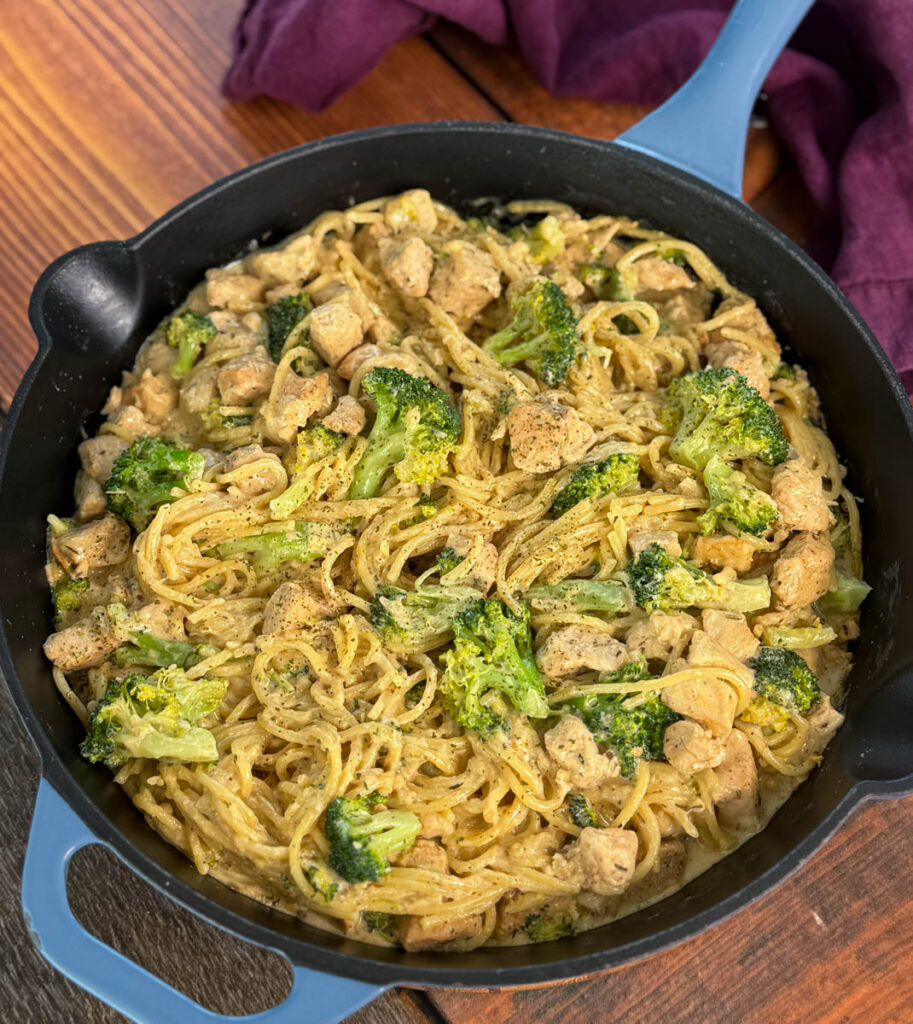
579 595
362 841
68 596
798 637
546 928
783 677
635 671
580 812
144 476
543 334
416 429
593 480
492 655
846 597
661 582
448 560
717 412
321 881
313 445
154 716
188 332
267 551
545 239
283 317
785 371
416 618
161 652
214 420
734 500
384 925
609 284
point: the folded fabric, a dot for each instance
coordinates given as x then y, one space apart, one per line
840 98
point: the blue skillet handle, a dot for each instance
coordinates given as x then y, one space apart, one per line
702 127
56 834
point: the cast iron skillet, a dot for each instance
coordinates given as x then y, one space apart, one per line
91 309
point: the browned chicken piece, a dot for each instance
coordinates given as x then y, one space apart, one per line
200 390
424 853
731 631
413 209
85 644
640 540
292 607
799 494
268 475
416 935
335 329
803 571
90 497
437 824
546 436
246 379
723 552
338 292
710 702
347 418
484 567
690 748
602 860
744 360
407 265
752 321
162 618
291 264
571 746
735 785
131 421
349 366
572 649
383 329
684 309
658 635
298 400
100 543
465 279
155 395
514 910
657 275
234 291
668 873
823 722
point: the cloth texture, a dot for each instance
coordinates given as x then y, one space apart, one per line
840 98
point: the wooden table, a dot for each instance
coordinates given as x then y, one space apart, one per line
109 114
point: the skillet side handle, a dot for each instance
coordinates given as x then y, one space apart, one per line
702 127
56 834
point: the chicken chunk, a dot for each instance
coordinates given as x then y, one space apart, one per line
735 785
234 291
546 436
155 395
744 360
416 935
336 329
347 418
660 634
724 552
799 494
162 618
407 265
464 280
132 421
640 540
658 275
484 565
98 544
90 497
667 874
684 308
291 264
349 366
731 631
571 746
99 454
823 722
85 644
602 860
574 648
803 571
424 853
709 702
690 748
200 390
298 400
246 379
292 607
751 321
266 473
412 209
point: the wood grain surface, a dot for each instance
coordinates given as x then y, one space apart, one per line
110 114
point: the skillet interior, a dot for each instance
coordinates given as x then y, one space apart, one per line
92 308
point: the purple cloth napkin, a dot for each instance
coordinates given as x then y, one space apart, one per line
840 98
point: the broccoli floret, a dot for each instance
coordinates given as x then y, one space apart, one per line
321 881
543 334
68 596
734 500
154 716
267 551
580 812
798 637
785 371
545 239
416 618
580 595
384 925
633 672
661 582
783 678
214 420
283 317
313 445
416 429
492 655
717 412
188 332
846 597
362 841
144 476
160 652
594 480
448 560
546 928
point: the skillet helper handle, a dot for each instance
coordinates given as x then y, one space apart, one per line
56 834
702 127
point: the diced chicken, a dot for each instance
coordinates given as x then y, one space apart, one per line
89 495
412 209
99 454
546 436
689 487
234 291
298 400
157 356
602 860
437 824
347 418
162 618
735 785
799 495
292 607
514 910
266 473
724 552
416 935
155 395
710 702
349 366
383 329
751 321
484 566
131 420
640 540
424 853
660 634
658 275
246 379
667 874
339 293
407 265
572 286
574 648
803 571
289 265
335 329
85 644
685 308
100 543
823 722
571 746
731 632
465 279
690 748
200 390
744 360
